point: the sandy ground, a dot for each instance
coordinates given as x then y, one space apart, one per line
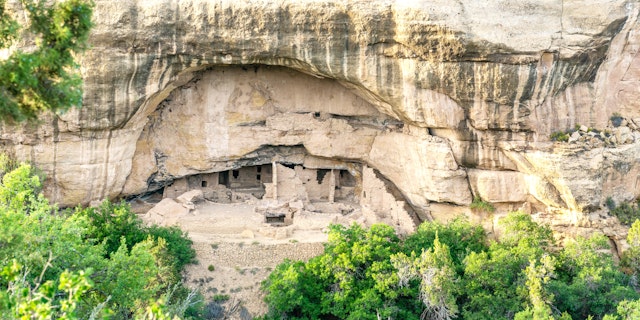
234 256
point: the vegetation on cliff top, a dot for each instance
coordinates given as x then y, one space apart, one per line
452 271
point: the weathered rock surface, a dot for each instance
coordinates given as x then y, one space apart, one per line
447 100
166 213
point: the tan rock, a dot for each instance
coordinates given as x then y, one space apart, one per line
166 213
499 186
191 197
419 90
247 234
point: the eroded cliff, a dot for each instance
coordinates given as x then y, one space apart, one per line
447 100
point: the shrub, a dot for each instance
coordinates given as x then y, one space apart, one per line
610 203
178 245
626 212
214 310
112 222
220 297
560 136
631 258
480 205
211 268
616 119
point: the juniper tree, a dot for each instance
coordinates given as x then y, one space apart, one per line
41 74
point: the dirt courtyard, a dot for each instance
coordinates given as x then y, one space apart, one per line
234 254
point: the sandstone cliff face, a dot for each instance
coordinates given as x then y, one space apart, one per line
446 99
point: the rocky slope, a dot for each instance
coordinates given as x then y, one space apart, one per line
448 100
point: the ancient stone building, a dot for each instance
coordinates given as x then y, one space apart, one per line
447 101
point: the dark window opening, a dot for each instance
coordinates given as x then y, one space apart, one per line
236 173
276 219
204 184
258 177
320 174
258 169
223 178
347 179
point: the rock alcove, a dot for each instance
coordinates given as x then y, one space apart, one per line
453 102
280 136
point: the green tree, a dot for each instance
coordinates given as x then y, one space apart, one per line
625 310
358 273
111 222
495 280
589 283
460 236
372 274
48 300
435 270
294 291
631 257
353 279
540 302
50 255
43 77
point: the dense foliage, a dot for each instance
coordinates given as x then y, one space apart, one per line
452 271
42 77
84 263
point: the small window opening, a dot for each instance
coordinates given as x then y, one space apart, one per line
258 177
258 169
275 219
204 184
320 175
236 173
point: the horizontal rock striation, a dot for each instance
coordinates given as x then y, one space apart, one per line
447 100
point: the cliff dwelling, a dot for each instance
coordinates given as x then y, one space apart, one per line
266 121
280 190
262 136
444 111
317 185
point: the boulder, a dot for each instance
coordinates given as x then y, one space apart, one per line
190 198
166 213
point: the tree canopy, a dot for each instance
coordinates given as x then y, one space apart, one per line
86 263
453 271
43 74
